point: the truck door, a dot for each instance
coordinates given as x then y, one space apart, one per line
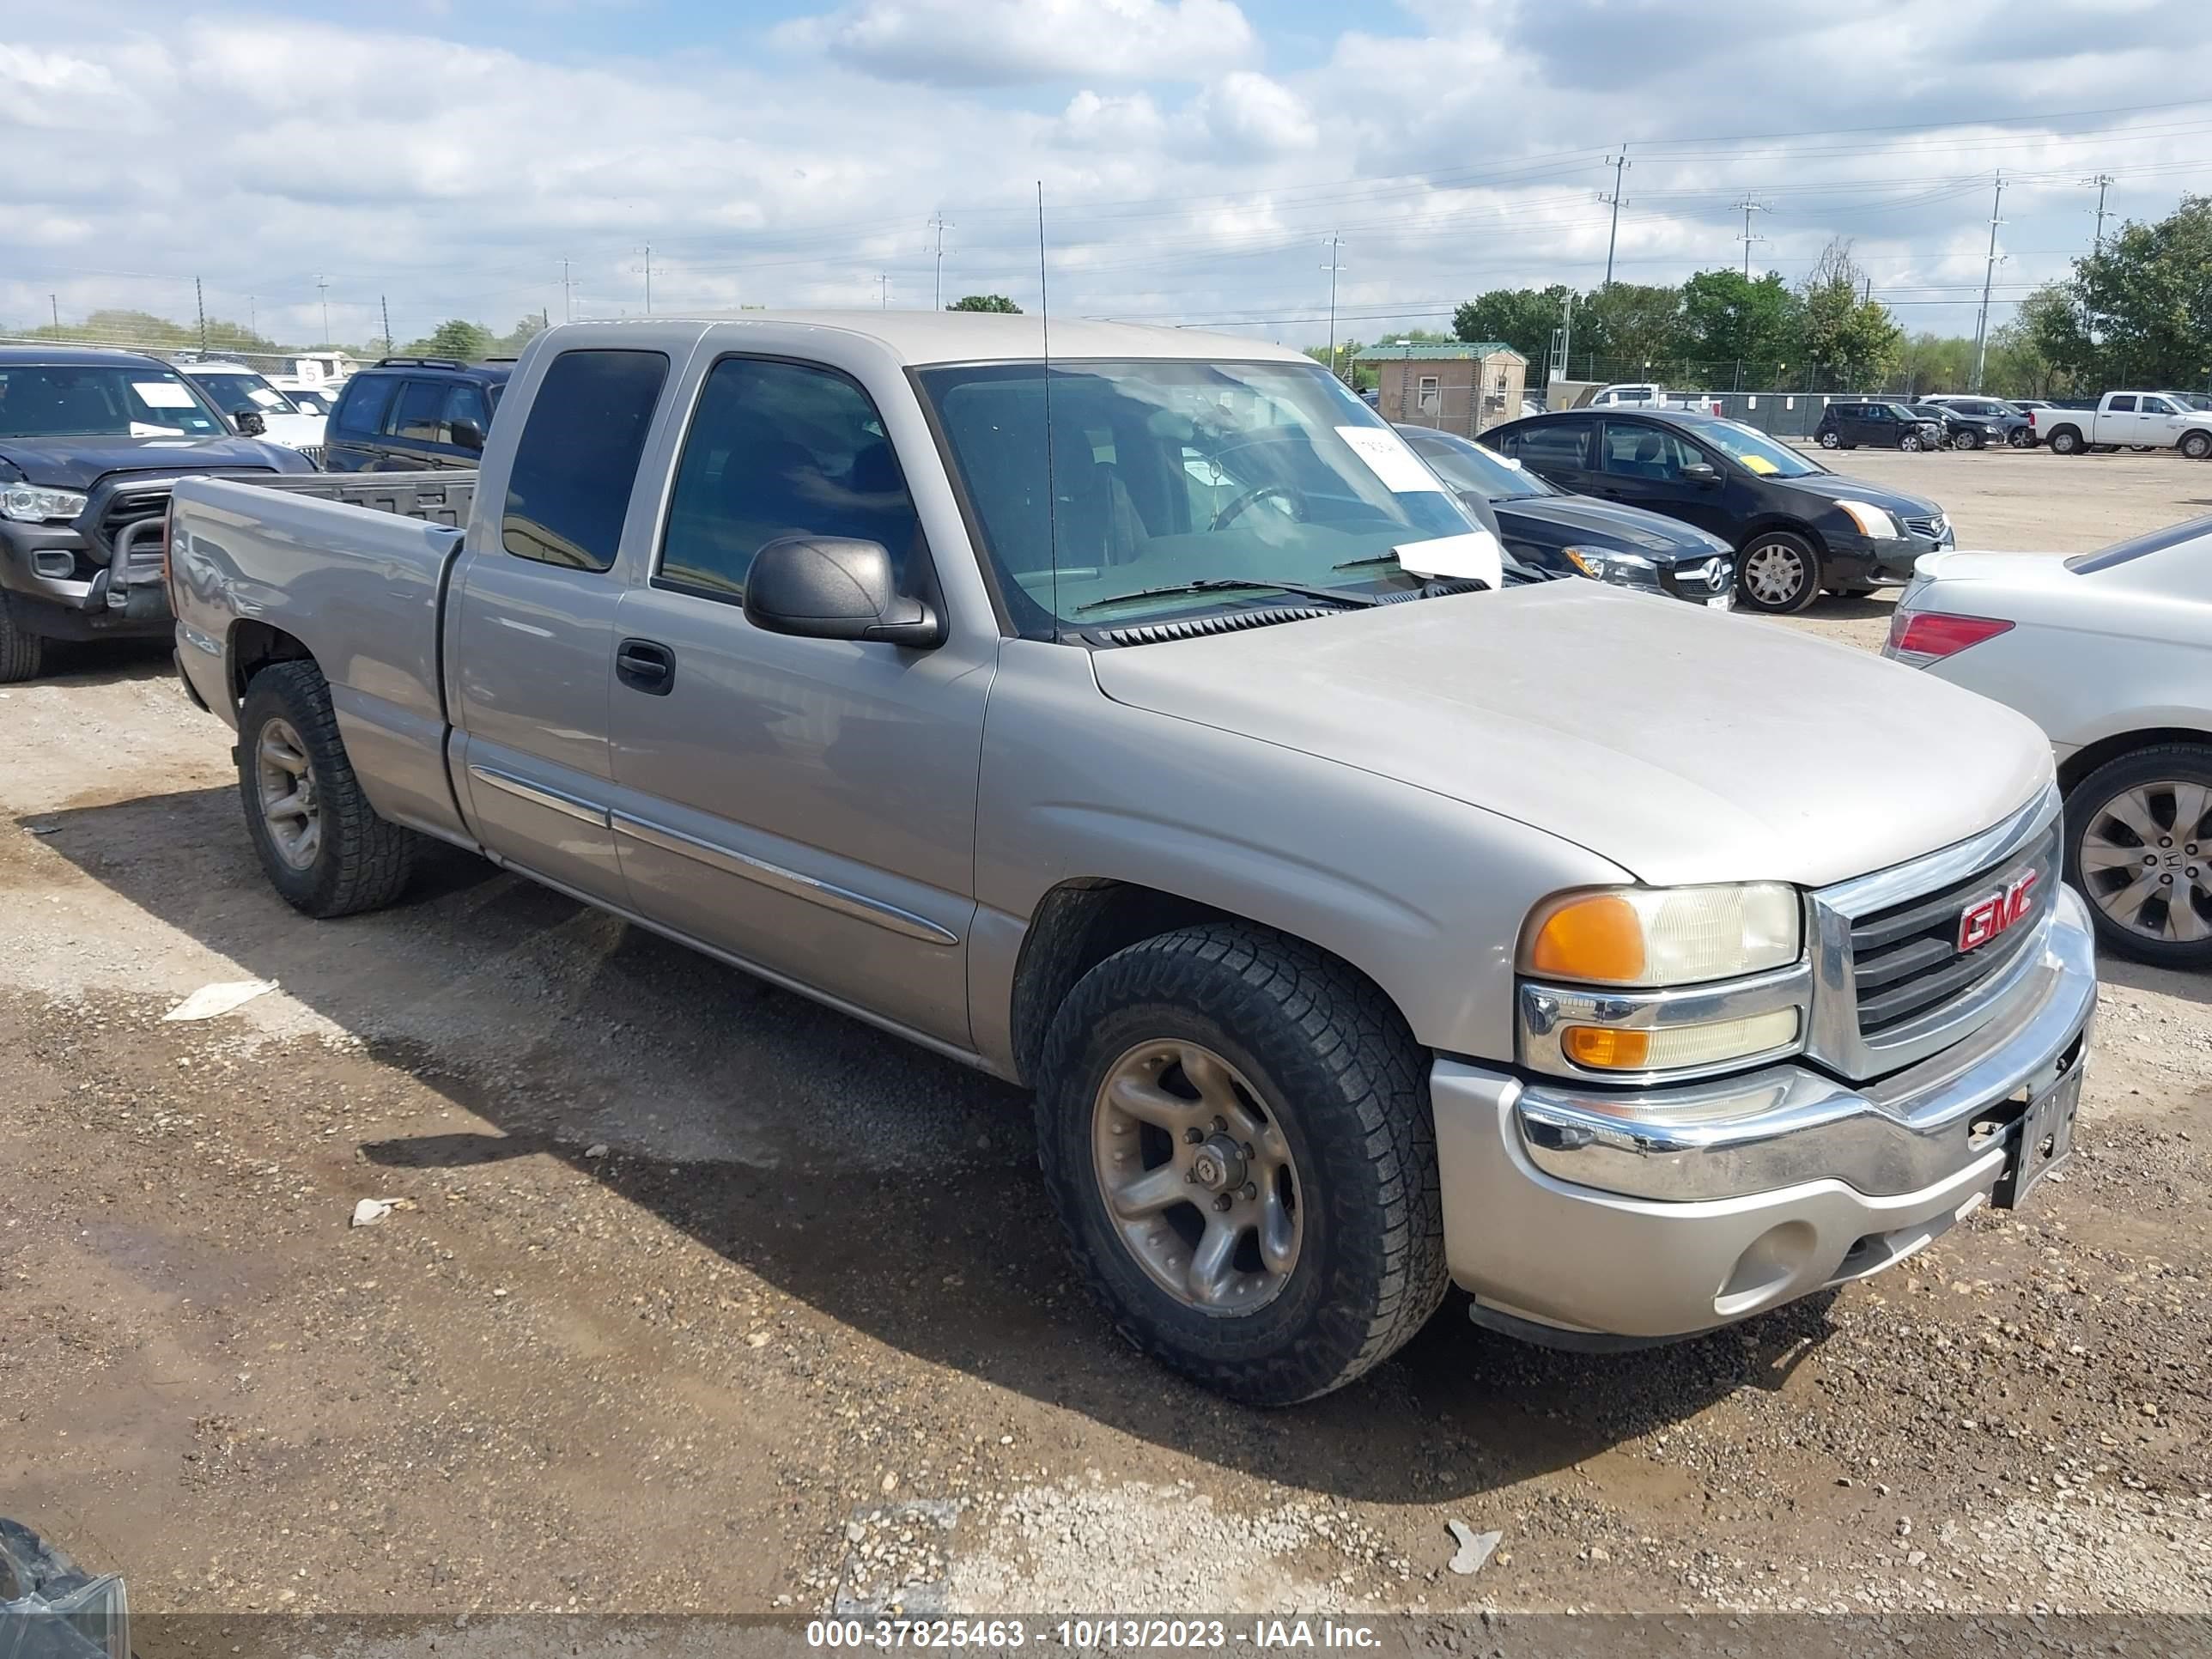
807 806
2115 423
531 646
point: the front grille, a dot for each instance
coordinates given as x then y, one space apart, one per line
1932 528
1905 960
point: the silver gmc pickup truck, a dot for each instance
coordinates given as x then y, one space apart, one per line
1157 731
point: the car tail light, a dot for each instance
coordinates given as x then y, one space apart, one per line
1921 637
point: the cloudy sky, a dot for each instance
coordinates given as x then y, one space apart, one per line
1195 154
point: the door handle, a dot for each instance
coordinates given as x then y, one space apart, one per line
646 665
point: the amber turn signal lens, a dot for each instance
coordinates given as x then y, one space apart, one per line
1600 1049
1599 939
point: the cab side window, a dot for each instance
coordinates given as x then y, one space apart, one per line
2124 406
779 449
361 411
1556 444
576 461
415 417
1645 452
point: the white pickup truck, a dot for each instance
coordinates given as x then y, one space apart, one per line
2140 420
1145 732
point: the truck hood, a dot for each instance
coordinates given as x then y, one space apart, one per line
80 463
1683 744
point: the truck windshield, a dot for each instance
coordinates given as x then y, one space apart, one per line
67 400
1753 451
1165 473
235 389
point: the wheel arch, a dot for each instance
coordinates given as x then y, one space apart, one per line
1084 919
2091 756
252 647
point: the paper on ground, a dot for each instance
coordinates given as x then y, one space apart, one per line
1476 554
220 997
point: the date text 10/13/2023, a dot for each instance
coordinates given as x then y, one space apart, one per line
1088 1634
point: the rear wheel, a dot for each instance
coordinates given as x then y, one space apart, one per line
23 654
2196 445
1830 440
2139 849
1235 1133
2065 441
1777 571
322 845
2021 438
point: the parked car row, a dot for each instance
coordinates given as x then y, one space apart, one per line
1149 729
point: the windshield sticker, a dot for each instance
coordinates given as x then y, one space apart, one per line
1476 554
1758 464
1391 459
264 396
145 429
163 394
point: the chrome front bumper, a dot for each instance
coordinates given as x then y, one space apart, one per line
1670 1211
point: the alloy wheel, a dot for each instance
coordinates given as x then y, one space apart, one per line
285 781
2146 861
1197 1177
1774 571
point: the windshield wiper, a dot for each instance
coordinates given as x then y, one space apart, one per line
1228 585
1362 564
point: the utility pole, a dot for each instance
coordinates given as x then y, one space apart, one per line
390 344
884 290
252 313
1989 280
2104 181
1747 207
1619 165
648 279
1335 246
940 226
324 284
54 301
1567 340
200 301
568 289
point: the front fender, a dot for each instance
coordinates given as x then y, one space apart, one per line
1423 894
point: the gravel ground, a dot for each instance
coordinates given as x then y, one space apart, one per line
696 1297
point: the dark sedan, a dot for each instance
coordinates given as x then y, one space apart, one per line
1565 535
1797 527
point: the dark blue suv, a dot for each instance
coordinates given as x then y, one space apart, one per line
414 414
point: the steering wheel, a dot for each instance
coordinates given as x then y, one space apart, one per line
1290 493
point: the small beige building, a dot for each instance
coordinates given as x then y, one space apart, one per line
1458 387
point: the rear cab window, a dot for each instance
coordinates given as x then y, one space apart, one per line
575 465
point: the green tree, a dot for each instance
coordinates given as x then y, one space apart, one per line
2147 301
1736 330
510 343
1935 362
1630 325
2048 328
1524 317
469 341
1848 343
998 303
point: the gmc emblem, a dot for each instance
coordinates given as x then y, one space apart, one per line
1990 915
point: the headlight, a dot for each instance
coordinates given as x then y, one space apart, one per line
1649 936
1649 982
1610 565
1871 521
28 504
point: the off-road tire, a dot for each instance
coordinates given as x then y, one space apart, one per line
363 861
1332 1062
21 654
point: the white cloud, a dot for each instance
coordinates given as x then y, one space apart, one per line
1253 116
983 43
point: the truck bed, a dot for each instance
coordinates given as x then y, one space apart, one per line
351 566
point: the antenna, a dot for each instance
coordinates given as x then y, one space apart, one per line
1051 493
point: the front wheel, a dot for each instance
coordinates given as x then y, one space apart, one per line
1235 1130
2196 445
23 654
322 845
2139 849
1830 440
2021 439
1777 571
1910 441
1967 440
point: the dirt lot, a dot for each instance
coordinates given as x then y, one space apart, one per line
698 1296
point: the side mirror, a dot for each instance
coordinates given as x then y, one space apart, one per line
1701 472
249 423
467 434
833 587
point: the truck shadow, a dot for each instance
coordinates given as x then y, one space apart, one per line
892 1191
107 662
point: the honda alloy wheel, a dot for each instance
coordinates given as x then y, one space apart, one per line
2139 848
